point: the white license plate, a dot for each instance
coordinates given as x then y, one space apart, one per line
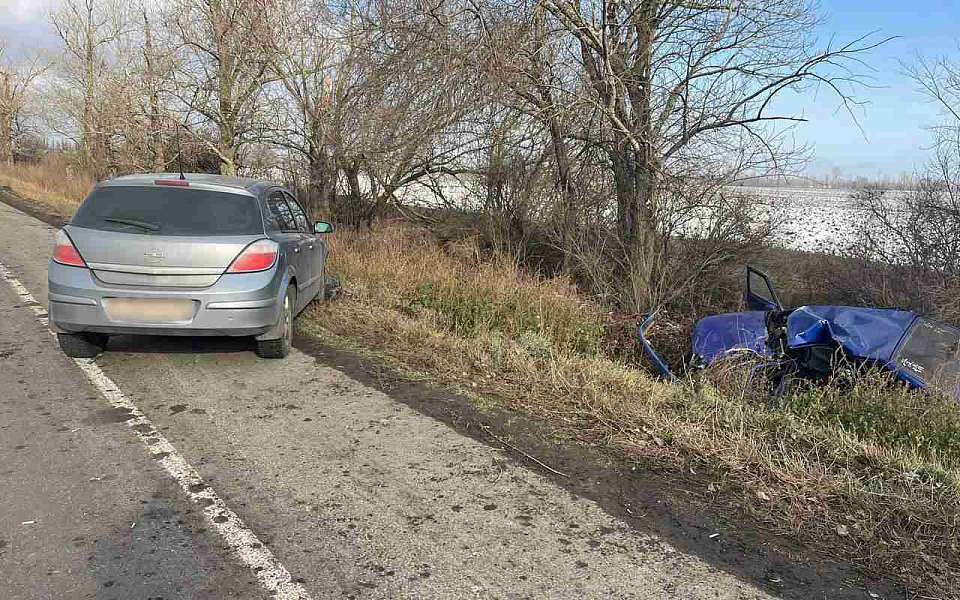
149 310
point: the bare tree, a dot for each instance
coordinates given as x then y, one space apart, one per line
939 80
524 58
414 119
222 71
313 59
16 81
682 84
87 29
156 71
910 238
370 100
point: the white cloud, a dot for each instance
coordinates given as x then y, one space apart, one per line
25 25
25 11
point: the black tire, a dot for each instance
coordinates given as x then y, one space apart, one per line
280 348
82 345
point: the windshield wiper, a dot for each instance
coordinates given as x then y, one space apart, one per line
133 222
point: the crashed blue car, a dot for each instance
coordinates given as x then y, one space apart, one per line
808 342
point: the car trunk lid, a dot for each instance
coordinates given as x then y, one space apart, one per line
162 261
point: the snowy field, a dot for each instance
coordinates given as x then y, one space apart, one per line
809 220
813 220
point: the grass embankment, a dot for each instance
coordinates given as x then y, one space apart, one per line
53 184
872 472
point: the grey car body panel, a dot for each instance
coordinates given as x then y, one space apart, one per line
131 265
151 260
301 250
236 305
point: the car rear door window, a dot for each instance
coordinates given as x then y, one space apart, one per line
303 224
280 209
169 211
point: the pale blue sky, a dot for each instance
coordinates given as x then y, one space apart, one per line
893 139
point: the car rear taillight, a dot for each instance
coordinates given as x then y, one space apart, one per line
173 182
258 256
65 253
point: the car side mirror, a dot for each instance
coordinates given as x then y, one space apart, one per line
322 227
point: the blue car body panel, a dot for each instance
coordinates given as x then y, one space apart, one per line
876 335
716 336
918 351
872 334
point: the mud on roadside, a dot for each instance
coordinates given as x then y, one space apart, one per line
41 213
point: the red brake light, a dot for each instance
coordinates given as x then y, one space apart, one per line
173 182
65 253
258 256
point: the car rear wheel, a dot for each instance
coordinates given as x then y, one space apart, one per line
280 348
82 345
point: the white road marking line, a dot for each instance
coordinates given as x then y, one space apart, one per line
273 576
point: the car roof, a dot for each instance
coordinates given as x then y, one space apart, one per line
207 181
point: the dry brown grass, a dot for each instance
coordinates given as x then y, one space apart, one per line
403 268
53 183
809 468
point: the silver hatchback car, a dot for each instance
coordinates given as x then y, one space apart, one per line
194 254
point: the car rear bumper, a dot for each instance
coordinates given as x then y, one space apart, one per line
236 305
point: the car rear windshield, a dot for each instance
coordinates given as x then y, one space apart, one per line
169 211
932 353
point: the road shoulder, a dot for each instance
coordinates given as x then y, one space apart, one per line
85 512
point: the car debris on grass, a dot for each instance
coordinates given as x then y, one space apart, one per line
812 343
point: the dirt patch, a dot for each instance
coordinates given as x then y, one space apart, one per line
654 499
107 416
10 198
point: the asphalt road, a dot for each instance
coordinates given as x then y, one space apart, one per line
355 494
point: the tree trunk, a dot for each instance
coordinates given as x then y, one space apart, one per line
353 211
7 112
636 171
155 122
88 132
638 263
6 139
228 161
226 80
568 208
321 182
227 142
551 118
